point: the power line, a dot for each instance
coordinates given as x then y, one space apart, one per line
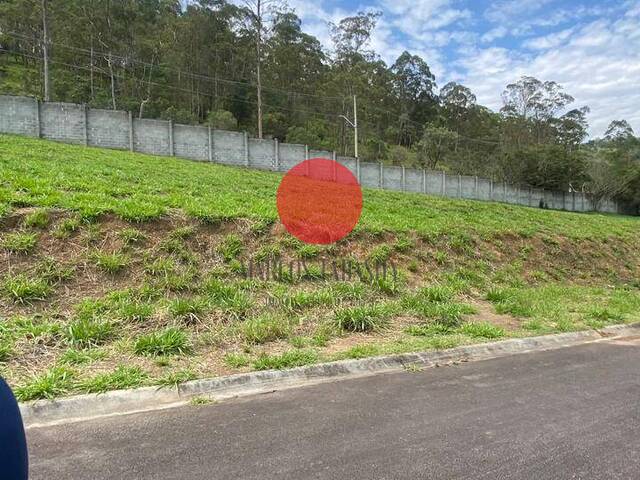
162 85
173 69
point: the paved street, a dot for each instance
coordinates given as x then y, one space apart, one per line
570 413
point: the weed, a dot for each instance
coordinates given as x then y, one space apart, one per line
182 233
171 341
290 359
121 378
306 250
19 242
412 368
437 293
361 351
200 401
134 311
403 244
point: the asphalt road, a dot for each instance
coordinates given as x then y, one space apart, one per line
570 413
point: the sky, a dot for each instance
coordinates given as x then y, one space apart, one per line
591 48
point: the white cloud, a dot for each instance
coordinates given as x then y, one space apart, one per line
549 41
599 64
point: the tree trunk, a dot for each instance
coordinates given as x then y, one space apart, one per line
45 51
258 64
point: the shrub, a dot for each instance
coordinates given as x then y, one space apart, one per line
19 242
171 341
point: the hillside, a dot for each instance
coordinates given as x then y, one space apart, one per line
119 270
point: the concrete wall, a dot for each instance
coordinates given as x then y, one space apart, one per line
77 124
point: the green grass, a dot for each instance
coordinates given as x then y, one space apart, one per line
171 341
482 330
52 383
131 236
119 379
289 359
111 263
362 318
23 289
73 356
87 333
265 328
37 219
19 242
37 173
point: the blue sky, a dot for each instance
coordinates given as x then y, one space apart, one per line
591 48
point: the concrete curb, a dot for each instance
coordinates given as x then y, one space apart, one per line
83 407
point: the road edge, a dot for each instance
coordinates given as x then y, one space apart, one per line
85 407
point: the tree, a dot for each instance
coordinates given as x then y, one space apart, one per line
352 34
618 130
414 85
259 11
435 143
572 127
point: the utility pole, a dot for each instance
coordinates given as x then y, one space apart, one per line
353 125
45 51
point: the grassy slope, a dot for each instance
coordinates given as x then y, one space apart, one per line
120 269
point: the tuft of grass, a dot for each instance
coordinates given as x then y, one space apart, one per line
111 263
134 311
360 351
19 242
289 359
88 332
171 341
362 318
200 401
6 351
52 383
187 309
130 236
162 266
482 330
173 379
73 356
65 228
121 378
52 272
236 360
437 293
306 250
228 297
37 219
380 253
182 233
429 329
265 328
230 247
22 289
